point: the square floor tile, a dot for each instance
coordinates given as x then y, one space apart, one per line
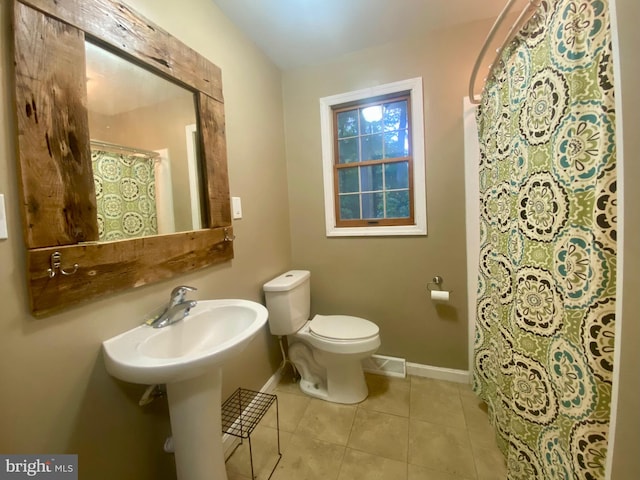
359 466
387 395
306 458
264 450
475 414
490 464
288 384
330 422
236 476
416 472
290 410
382 442
437 402
441 448
380 434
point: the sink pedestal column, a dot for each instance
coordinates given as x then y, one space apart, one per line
194 408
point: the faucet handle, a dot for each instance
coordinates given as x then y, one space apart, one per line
178 293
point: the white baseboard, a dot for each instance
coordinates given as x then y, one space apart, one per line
438 373
273 382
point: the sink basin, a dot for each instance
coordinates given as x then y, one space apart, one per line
188 357
214 331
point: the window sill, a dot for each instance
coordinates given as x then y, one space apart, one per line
390 231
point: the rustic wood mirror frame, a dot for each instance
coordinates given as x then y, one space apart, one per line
54 157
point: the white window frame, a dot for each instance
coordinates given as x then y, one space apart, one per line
414 86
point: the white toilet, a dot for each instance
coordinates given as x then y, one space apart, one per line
327 350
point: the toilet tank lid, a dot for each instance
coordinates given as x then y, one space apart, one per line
286 281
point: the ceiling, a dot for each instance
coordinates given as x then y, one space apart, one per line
298 33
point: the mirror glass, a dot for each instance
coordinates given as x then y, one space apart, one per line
144 149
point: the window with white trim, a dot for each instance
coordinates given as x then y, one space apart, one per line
373 161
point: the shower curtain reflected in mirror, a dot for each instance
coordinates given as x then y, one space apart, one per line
543 357
125 195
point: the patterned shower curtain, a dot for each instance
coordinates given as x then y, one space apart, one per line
125 195
546 309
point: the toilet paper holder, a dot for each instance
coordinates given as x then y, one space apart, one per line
437 281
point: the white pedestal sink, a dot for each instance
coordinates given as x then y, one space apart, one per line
187 356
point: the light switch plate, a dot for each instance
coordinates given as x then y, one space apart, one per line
3 219
236 207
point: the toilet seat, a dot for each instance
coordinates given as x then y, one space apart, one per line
342 328
331 341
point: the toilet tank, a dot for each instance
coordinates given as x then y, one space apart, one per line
288 301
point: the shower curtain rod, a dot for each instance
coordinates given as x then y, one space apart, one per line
531 7
121 148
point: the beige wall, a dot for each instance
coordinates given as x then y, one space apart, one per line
626 461
384 279
56 395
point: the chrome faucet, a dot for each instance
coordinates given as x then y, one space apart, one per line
175 310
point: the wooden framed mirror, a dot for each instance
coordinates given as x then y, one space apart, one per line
57 185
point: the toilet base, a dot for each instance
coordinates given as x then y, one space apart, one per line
337 378
313 389
346 382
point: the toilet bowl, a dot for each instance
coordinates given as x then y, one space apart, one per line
327 350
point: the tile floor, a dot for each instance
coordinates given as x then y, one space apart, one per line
407 429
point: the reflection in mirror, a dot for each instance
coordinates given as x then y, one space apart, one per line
144 150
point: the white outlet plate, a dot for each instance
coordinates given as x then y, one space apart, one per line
236 207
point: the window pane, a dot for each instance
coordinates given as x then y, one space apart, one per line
371 178
398 204
373 205
396 144
371 119
396 175
372 147
348 150
395 116
348 124
348 180
350 207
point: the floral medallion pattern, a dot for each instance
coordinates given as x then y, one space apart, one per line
125 193
589 449
543 207
605 211
579 31
523 464
572 379
519 73
598 336
497 205
581 146
545 325
580 266
557 463
544 107
536 29
538 303
533 396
